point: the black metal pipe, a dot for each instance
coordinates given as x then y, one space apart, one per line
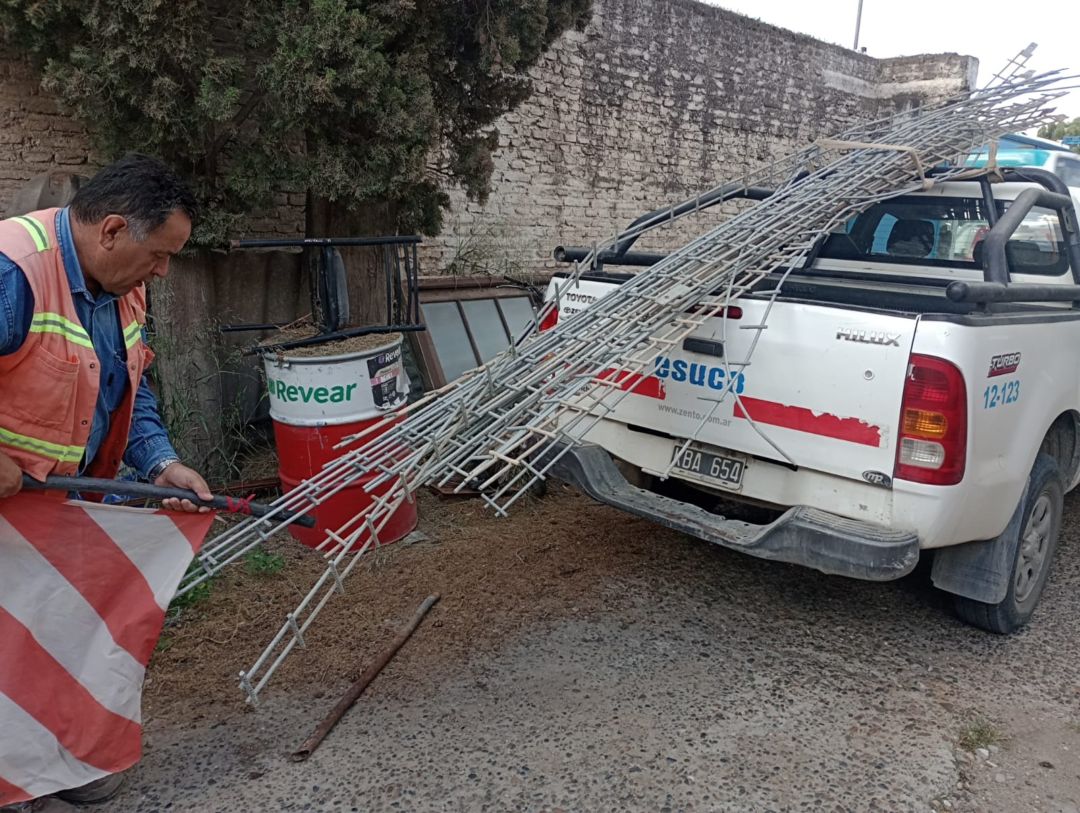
129 488
326 279
323 338
983 292
399 304
569 254
326 241
728 191
995 260
1044 178
988 200
1070 233
815 251
414 284
388 273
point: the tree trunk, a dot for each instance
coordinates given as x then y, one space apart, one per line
209 390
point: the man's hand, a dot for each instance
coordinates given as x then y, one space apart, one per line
10 476
180 476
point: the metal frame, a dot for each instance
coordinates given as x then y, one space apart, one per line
401 267
460 289
997 285
620 254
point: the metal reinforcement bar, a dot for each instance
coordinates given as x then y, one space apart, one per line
491 426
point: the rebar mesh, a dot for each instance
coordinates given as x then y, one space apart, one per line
500 428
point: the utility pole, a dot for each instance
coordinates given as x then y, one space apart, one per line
858 24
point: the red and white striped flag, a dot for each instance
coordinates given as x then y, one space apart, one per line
83 593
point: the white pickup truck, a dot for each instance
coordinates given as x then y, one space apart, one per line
917 388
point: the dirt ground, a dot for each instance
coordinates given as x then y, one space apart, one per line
499 575
581 659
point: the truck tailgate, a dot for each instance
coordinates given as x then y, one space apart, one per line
824 385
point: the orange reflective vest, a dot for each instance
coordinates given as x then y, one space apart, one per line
49 386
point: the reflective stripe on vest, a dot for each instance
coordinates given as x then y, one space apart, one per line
132 334
45 322
53 451
36 230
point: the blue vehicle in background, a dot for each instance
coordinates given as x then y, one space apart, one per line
1029 151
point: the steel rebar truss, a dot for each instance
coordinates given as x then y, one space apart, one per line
500 428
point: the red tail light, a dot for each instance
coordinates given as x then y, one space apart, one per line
549 321
932 446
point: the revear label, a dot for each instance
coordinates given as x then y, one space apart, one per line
1004 364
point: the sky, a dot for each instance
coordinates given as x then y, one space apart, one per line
993 31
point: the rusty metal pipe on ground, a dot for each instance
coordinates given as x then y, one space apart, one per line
309 745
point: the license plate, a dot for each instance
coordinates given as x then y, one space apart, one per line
726 470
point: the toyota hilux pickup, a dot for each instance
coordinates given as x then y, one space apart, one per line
917 390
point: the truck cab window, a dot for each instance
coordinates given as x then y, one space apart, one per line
946 233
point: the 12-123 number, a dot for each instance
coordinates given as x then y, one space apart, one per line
1007 392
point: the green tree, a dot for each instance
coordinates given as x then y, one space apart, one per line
1060 129
358 102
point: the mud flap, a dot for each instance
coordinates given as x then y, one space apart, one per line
980 570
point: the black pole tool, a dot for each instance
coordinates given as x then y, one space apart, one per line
128 488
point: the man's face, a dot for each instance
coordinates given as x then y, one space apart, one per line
123 263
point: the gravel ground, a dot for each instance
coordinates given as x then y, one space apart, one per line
582 660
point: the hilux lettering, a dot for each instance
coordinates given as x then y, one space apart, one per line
868 337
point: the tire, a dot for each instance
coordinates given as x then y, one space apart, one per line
1040 529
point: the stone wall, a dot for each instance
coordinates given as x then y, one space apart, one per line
656 101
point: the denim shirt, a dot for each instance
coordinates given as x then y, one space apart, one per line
148 442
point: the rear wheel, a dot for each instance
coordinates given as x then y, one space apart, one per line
1042 509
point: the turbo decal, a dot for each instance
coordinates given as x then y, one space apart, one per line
1004 364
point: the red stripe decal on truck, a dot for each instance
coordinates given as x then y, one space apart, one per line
801 419
648 385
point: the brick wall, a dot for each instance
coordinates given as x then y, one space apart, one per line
36 136
655 101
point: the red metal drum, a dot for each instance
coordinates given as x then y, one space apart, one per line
315 402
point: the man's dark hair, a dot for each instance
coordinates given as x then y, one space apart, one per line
140 189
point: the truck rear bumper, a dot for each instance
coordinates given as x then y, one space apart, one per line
802 535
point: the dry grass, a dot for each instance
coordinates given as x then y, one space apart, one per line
353 344
980 733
